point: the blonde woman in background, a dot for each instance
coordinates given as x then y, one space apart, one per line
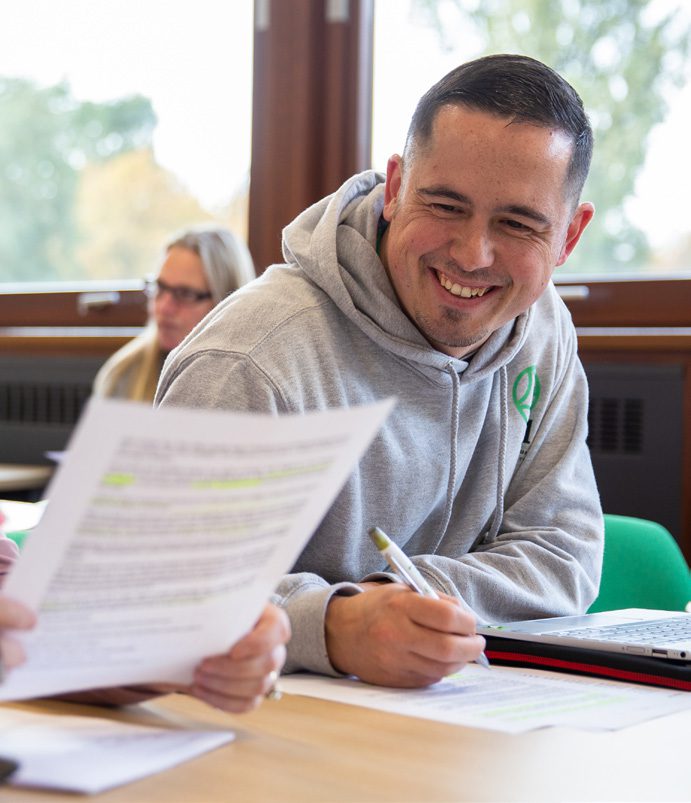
200 267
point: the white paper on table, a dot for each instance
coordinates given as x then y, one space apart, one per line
166 532
508 699
90 755
21 516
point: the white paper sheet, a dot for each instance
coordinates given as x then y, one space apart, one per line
165 534
87 754
506 699
20 516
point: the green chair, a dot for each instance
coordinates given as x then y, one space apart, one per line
643 567
18 537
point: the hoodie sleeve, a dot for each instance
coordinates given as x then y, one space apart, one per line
234 382
543 556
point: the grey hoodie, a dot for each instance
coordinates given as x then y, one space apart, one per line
481 472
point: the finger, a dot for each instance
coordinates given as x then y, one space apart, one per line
253 686
272 628
169 688
230 704
223 678
12 653
233 695
226 667
446 615
445 655
421 670
444 645
15 615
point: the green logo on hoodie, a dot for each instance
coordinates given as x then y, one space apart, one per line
526 391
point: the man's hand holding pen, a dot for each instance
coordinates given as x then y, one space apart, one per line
392 636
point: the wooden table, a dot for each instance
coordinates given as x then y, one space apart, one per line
20 477
303 749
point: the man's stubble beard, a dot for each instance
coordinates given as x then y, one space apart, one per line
445 337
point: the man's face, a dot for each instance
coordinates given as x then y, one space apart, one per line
479 218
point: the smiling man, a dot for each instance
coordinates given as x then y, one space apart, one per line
433 286
481 211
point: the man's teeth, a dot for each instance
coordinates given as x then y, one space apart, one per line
461 290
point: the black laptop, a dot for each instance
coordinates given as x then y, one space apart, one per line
635 644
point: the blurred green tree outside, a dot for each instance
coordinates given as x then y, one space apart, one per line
81 196
126 207
623 57
46 139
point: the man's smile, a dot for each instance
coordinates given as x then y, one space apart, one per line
464 291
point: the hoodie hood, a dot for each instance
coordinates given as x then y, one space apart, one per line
342 230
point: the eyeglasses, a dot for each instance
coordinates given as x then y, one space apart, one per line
185 296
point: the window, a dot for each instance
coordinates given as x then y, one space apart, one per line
629 60
122 121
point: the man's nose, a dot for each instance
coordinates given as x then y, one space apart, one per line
472 247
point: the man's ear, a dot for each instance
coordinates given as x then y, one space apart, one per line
582 216
394 179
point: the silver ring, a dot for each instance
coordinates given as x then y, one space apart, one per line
274 692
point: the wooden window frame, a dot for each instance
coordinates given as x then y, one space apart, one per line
316 56
312 113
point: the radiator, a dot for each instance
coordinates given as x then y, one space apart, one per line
636 430
41 399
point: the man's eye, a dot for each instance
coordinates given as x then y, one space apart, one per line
449 208
517 225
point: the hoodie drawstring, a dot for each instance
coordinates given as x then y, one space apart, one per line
503 427
501 457
455 426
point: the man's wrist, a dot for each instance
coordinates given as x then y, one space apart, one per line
334 630
341 619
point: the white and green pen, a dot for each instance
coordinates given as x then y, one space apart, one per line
403 566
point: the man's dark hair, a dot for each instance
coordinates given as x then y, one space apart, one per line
520 88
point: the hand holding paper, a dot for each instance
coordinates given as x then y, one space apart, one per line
13 616
237 680
165 534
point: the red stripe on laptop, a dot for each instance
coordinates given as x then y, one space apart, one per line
589 669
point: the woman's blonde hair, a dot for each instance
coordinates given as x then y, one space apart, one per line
133 371
225 258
